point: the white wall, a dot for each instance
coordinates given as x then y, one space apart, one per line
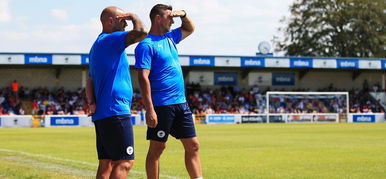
70 78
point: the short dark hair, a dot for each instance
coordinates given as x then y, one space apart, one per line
158 10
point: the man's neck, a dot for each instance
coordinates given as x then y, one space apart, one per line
155 31
106 29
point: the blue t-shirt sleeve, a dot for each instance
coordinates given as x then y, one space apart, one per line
176 35
143 56
116 40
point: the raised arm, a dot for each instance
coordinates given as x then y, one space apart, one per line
144 84
139 31
187 26
90 96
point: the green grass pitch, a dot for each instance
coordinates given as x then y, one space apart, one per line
227 151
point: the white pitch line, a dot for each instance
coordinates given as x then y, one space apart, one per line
48 157
72 161
59 168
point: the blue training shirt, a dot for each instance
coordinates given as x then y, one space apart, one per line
159 54
109 69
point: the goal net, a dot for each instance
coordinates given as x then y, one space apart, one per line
308 107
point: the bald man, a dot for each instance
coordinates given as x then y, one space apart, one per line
109 92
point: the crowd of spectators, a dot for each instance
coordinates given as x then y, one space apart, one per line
361 102
58 102
225 100
231 99
10 103
43 101
253 101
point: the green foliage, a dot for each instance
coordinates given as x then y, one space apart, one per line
227 151
344 28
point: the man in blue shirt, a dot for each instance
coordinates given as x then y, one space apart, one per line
162 87
109 92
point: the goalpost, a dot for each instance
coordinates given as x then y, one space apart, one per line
308 107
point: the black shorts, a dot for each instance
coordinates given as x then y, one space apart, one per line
114 138
175 120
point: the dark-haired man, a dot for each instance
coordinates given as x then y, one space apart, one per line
162 88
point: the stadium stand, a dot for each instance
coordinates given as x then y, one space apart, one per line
253 101
214 84
226 99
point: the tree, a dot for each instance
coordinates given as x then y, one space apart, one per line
345 28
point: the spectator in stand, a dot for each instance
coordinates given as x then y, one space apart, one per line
2 98
365 86
376 87
15 88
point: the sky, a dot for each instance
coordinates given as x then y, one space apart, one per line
223 27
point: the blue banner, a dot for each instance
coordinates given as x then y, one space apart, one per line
85 60
300 63
224 78
0 121
221 119
64 121
201 61
38 59
252 62
347 63
283 79
363 118
383 64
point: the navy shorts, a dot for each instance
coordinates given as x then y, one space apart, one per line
175 120
114 138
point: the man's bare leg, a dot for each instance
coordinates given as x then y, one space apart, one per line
192 157
121 168
152 159
104 169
